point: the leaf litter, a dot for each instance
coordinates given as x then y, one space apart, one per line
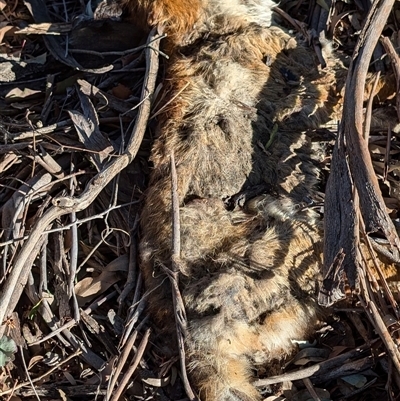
77 121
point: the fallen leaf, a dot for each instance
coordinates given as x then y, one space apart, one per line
7 350
356 381
34 360
41 59
157 382
4 30
17 93
310 355
121 92
90 287
304 395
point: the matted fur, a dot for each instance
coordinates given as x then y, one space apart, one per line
240 95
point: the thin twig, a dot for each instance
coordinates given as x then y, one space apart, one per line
311 389
395 60
368 114
12 392
44 375
27 373
73 258
319 369
179 308
377 321
135 362
384 283
132 319
132 270
120 364
385 336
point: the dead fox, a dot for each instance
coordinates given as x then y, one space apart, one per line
240 92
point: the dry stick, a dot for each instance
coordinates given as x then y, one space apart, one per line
43 268
381 328
372 290
320 368
73 253
120 364
73 267
311 389
135 312
359 325
371 202
132 368
378 323
80 391
372 279
18 277
14 147
136 309
179 308
395 59
43 376
131 279
11 394
27 373
121 360
93 250
41 131
386 159
384 283
368 114
381 249
301 27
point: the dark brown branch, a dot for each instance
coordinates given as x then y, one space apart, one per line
179 307
341 223
372 206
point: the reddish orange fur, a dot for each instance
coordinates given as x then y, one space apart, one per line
176 16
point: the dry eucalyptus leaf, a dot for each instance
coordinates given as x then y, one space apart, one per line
90 287
34 360
70 378
304 395
17 94
310 355
348 384
157 382
4 30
